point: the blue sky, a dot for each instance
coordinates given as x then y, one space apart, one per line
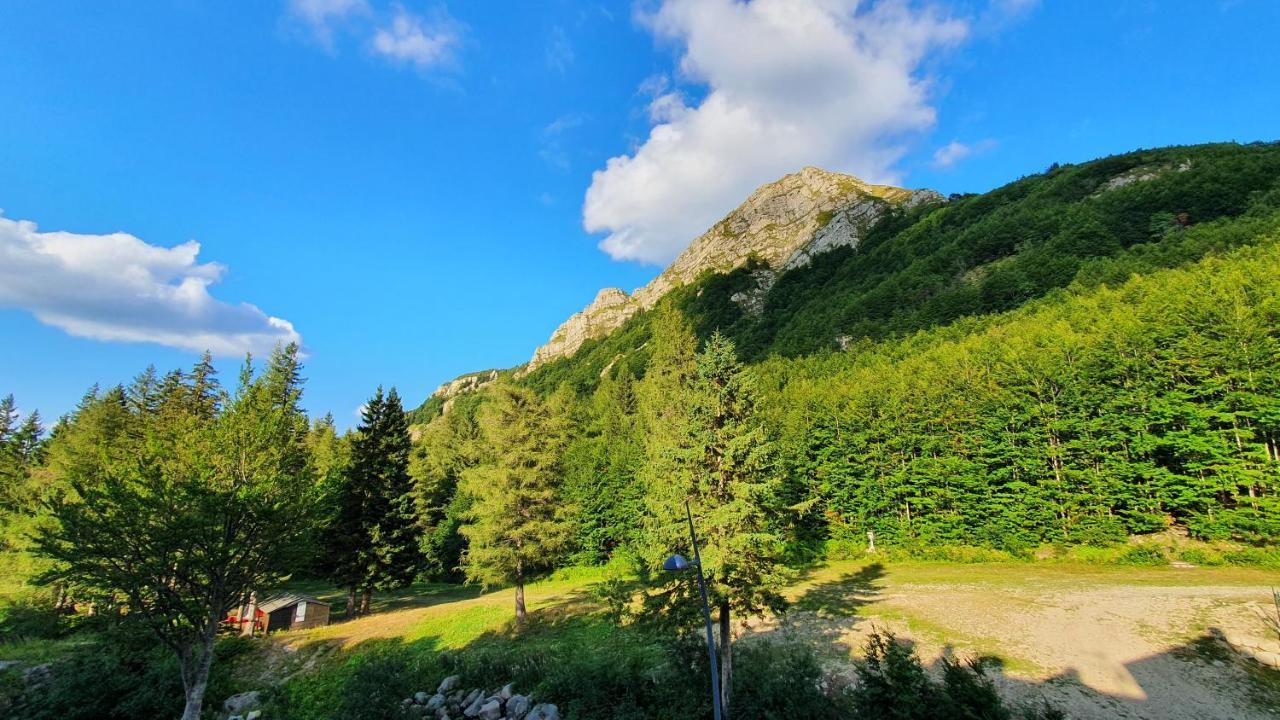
418 190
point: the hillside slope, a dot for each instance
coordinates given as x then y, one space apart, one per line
921 267
780 226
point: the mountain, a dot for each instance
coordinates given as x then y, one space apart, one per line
782 225
819 261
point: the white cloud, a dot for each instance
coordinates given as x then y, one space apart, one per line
415 40
953 152
552 149
320 16
559 52
789 83
117 287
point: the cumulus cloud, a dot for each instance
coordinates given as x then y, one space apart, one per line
118 288
788 83
417 41
320 16
953 152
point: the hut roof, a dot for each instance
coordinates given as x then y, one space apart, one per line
275 602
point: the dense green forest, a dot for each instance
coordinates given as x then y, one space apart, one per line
1081 356
1132 388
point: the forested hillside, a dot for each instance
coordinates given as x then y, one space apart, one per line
1072 358
1091 223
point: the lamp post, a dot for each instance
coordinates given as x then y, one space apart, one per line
677 563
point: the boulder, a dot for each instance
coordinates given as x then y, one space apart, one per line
507 691
421 697
472 709
435 702
472 697
491 709
242 703
253 715
448 684
517 707
543 711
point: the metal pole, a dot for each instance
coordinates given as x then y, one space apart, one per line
706 614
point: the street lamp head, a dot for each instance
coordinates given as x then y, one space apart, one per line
676 563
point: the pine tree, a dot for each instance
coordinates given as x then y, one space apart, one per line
372 543
517 522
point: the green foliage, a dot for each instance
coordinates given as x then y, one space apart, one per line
1069 359
372 540
199 497
893 685
783 679
517 523
600 464
121 676
992 252
1079 419
447 447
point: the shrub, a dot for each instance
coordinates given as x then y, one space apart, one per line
1148 555
893 685
776 679
124 674
31 620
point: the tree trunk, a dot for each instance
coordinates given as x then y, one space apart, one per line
351 603
195 673
520 610
249 616
365 597
726 660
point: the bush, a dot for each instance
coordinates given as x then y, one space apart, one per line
893 685
126 674
1268 557
1146 555
775 680
31 620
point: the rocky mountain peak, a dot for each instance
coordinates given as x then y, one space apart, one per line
782 224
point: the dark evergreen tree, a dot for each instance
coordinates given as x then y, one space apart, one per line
372 543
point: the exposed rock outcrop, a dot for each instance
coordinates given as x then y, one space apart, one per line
463 384
782 225
608 311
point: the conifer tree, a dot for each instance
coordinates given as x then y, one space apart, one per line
517 521
601 465
446 448
709 449
372 543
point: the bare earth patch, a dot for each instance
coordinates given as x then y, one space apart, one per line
1095 642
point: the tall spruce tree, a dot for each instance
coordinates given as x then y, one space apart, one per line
372 543
517 522
708 448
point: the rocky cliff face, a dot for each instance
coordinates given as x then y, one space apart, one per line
462 385
783 224
609 310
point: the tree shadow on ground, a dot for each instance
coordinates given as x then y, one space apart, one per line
843 596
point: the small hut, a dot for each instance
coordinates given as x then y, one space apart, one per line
287 611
